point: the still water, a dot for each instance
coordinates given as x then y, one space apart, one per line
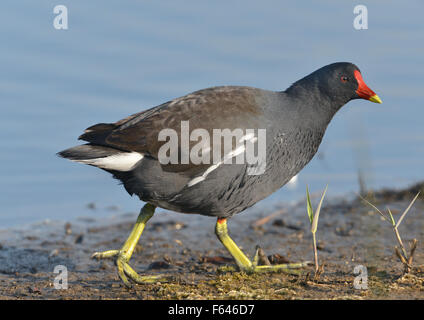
118 58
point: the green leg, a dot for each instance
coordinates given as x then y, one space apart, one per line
124 255
242 261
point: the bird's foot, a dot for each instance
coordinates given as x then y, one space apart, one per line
243 262
253 267
125 271
286 267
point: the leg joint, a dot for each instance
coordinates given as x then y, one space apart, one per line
147 212
221 228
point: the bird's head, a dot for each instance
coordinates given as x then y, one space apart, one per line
333 85
343 82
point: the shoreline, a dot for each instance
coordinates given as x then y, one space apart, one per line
186 249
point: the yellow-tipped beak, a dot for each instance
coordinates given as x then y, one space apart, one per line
364 91
375 99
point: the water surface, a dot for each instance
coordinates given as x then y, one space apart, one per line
122 57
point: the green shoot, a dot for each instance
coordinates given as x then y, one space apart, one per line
313 219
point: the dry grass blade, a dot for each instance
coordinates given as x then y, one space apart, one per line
373 206
400 251
407 209
400 241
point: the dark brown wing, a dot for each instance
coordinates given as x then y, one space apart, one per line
226 107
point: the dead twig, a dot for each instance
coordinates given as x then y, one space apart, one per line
266 219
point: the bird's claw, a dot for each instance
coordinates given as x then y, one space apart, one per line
125 271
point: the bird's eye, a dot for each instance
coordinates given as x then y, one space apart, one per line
344 79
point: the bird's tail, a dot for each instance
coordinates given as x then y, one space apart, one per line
102 157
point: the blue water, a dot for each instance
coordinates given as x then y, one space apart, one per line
118 58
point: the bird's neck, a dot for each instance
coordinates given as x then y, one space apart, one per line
308 94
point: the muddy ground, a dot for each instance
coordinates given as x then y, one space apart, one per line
185 250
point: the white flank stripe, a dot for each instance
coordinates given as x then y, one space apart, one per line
234 153
230 155
248 136
211 168
194 181
124 161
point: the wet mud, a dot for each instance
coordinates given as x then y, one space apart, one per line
185 250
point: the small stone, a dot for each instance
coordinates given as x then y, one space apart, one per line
79 239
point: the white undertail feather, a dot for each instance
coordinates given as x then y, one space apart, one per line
124 161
